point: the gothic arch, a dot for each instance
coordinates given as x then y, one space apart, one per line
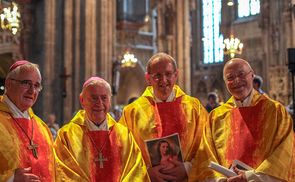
132 84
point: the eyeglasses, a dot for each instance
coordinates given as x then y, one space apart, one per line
242 75
27 84
158 76
101 98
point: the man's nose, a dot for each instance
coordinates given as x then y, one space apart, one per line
164 78
236 79
32 88
98 100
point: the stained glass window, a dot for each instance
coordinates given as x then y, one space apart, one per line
212 38
248 8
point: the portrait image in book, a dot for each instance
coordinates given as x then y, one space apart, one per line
163 150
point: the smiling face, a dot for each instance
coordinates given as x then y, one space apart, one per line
238 76
162 77
96 101
22 96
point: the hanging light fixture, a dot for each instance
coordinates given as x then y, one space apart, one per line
128 60
10 18
232 46
230 2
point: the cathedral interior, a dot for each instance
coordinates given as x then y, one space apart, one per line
72 40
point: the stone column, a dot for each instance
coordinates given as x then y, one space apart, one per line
174 37
49 57
67 76
182 48
90 38
106 33
78 77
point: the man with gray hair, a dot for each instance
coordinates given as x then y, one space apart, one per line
162 110
26 151
93 146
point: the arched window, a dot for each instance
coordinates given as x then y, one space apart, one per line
248 8
212 38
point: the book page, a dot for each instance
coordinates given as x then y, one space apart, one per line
221 169
229 172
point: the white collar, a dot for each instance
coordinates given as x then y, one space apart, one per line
246 102
16 113
169 99
92 127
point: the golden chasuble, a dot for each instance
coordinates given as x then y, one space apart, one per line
14 148
108 156
260 135
147 120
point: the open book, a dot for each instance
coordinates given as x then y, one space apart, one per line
162 150
229 172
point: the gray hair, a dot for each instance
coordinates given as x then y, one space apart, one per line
27 66
100 82
161 56
15 72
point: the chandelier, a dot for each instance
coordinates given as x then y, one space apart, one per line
128 60
10 18
230 2
232 46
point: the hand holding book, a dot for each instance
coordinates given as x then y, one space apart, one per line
229 172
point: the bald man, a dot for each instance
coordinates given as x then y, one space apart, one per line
249 127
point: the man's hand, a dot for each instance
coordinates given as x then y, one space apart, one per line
178 171
241 177
25 175
156 176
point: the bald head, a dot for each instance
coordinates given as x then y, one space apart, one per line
236 61
238 76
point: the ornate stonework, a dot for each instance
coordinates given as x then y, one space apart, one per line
279 87
10 43
73 40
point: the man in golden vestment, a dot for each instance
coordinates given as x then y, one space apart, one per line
164 109
26 146
93 147
249 127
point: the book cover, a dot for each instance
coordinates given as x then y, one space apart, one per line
240 165
162 150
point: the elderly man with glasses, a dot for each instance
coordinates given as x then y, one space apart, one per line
162 110
251 128
26 151
93 146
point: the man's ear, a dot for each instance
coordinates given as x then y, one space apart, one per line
176 73
147 78
7 83
81 100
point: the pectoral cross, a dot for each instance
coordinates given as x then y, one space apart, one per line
100 159
33 147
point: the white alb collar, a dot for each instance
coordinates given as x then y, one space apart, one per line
92 127
169 99
246 102
16 113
